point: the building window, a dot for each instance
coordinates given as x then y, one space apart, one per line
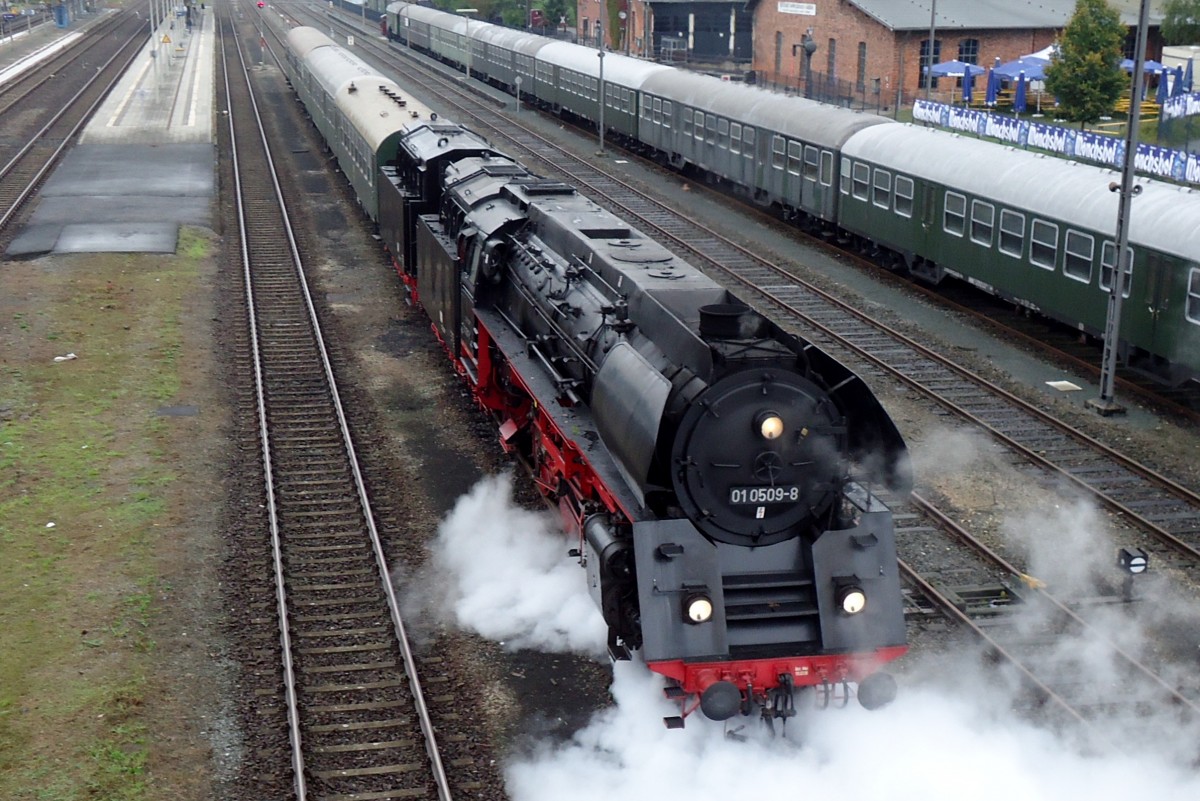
1012 233
1078 261
968 51
1044 244
831 61
924 61
778 52
954 219
983 218
860 74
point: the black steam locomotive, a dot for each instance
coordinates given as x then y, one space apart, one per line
704 458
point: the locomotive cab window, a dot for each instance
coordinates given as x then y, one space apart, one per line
882 194
1192 309
1043 246
1081 249
1108 267
983 219
904 195
954 217
1012 233
862 179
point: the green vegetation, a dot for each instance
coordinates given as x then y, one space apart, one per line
1086 76
1181 22
85 496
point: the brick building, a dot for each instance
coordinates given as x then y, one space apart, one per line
868 49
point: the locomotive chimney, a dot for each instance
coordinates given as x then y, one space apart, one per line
730 321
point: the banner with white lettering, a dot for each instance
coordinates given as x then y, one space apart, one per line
1160 162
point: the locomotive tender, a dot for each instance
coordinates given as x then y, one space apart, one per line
715 470
1035 230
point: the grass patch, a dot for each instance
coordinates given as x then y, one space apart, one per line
86 488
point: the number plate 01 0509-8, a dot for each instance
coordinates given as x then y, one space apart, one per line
788 493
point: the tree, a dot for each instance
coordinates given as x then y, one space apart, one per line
1085 75
1181 22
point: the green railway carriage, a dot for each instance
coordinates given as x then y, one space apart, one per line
1033 229
360 114
780 151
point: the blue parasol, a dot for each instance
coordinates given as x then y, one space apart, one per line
1177 82
1161 97
952 69
968 86
1019 100
993 88
1149 65
1187 77
1034 68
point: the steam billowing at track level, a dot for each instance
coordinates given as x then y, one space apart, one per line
713 470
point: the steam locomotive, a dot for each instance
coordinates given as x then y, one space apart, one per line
715 471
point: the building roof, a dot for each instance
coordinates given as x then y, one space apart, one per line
905 15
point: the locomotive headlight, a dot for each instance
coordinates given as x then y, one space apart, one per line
770 425
851 599
697 608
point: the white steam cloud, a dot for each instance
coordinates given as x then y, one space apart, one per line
504 574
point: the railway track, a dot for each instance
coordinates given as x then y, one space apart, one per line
45 109
1167 510
357 719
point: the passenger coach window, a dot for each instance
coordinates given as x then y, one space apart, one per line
1108 267
777 151
699 128
735 137
811 161
793 161
687 123
1193 296
1044 245
1012 233
748 142
862 179
711 128
827 168
882 196
954 218
723 132
845 187
658 107
904 195
667 113
983 219
1081 248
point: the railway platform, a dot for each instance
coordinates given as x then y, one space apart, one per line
146 163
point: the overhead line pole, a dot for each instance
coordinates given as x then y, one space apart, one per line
1106 404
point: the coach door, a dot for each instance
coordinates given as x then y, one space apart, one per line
1158 299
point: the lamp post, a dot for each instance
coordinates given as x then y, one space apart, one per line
467 12
810 47
1106 404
